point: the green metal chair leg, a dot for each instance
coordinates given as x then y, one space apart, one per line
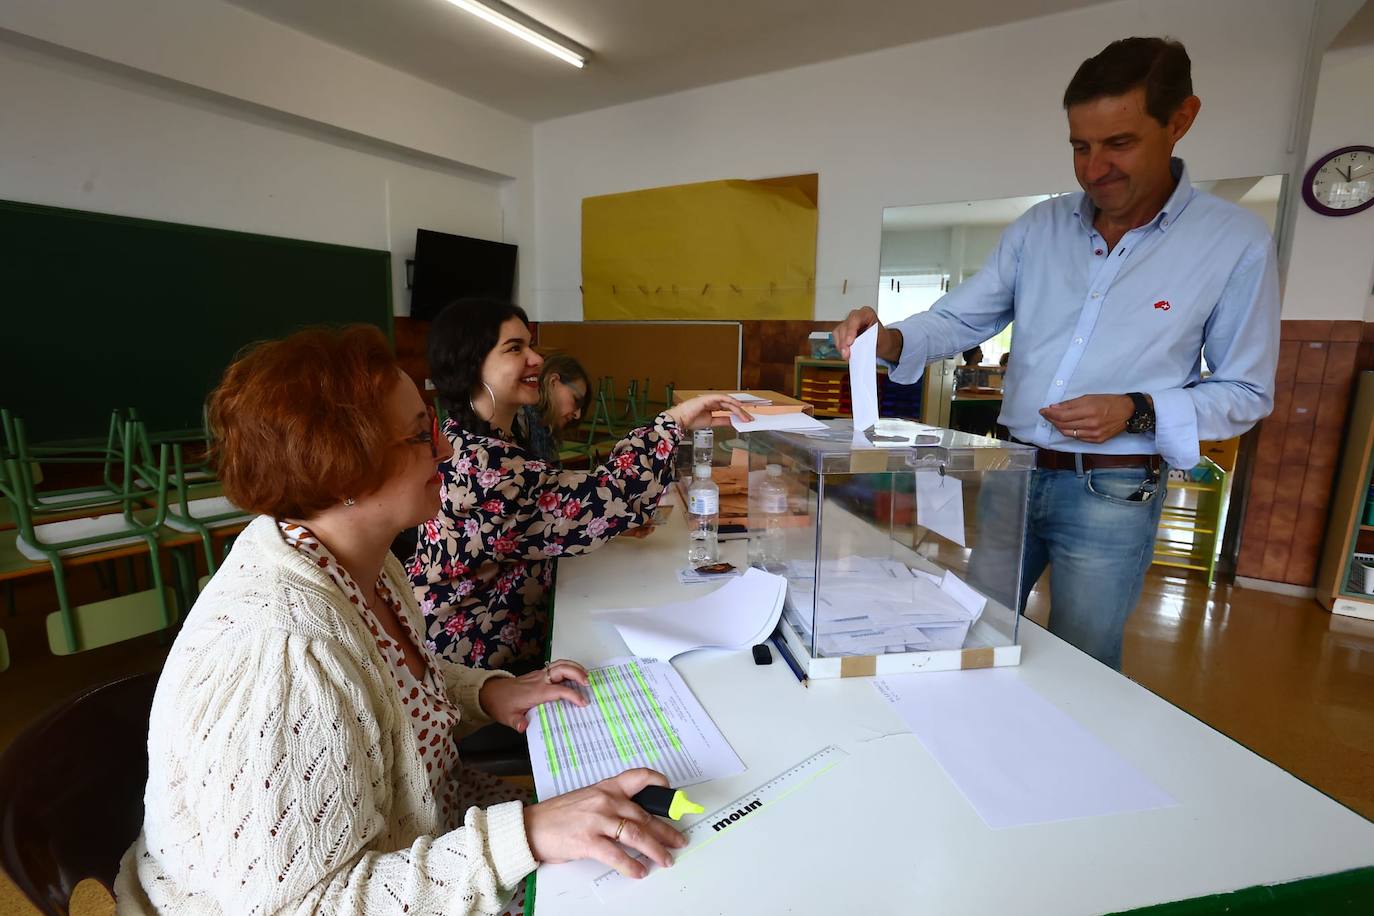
207 541
64 608
155 566
185 581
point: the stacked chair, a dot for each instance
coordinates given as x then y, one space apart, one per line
53 535
199 507
611 420
599 434
151 498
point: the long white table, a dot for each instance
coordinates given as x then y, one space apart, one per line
888 832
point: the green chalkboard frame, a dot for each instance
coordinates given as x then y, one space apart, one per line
100 311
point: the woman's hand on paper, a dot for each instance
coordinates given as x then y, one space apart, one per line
593 823
508 699
696 412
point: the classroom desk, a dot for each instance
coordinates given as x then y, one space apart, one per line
888 832
14 565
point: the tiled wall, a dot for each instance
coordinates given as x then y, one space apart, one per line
1299 449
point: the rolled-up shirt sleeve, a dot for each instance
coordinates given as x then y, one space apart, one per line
974 311
1241 349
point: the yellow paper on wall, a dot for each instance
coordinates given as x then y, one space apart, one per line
714 250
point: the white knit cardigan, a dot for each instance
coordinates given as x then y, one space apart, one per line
283 777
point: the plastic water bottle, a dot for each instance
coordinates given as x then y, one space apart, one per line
773 505
703 518
703 447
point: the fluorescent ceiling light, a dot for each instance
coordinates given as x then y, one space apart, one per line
526 29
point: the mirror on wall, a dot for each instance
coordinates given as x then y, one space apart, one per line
929 249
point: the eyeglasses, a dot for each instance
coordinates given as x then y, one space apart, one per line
429 437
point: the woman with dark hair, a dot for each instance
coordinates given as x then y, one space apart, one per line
303 738
966 376
483 565
564 395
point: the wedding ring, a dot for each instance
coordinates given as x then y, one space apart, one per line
618 830
1074 433
547 678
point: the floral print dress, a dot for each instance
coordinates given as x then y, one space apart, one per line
537 438
482 568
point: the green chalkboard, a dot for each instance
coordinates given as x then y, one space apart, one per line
100 311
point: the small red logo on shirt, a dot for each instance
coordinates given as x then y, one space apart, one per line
1163 305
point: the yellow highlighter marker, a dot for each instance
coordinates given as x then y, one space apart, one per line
666 802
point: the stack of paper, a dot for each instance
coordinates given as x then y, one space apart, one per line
743 612
871 606
779 421
639 714
1015 756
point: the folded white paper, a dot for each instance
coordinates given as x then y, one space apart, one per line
778 421
863 383
940 505
1015 756
742 612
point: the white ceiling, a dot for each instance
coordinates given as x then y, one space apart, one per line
1359 31
641 48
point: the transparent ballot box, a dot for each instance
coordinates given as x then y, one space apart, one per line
901 547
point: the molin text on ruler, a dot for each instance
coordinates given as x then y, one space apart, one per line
736 815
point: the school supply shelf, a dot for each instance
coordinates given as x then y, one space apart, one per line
1344 580
824 384
1193 518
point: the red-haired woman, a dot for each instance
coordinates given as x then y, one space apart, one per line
302 740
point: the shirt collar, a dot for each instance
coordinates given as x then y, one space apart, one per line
1183 193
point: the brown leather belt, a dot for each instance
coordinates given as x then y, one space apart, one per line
1050 460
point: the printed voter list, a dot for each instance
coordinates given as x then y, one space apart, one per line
640 714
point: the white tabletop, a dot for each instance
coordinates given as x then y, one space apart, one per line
887 832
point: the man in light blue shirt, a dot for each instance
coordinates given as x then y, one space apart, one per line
1118 294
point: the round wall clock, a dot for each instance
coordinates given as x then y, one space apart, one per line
1341 183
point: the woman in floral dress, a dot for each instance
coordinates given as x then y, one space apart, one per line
482 568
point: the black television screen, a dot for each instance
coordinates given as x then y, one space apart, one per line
449 267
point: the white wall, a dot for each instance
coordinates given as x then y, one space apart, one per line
967 117
914 250
956 250
196 111
1331 270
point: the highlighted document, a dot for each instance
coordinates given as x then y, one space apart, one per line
640 714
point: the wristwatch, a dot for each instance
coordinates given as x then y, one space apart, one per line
1143 420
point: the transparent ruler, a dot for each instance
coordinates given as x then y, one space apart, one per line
706 828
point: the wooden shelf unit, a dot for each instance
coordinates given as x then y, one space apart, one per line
824 384
1346 533
1191 523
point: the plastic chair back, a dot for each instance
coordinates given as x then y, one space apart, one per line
71 791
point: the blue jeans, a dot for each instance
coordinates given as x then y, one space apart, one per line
1098 545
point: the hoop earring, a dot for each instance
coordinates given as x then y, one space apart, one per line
491 394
